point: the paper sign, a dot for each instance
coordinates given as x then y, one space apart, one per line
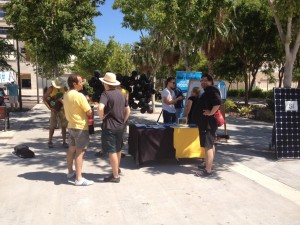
6 76
291 106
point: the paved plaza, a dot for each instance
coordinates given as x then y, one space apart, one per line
250 185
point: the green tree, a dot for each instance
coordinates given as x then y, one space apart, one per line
256 39
6 49
229 67
287 19
118 58
56 28
91 57
148 55
296 71
218 28
188 25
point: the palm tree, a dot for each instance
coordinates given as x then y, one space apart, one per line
220 34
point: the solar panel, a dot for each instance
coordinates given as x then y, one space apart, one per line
287 122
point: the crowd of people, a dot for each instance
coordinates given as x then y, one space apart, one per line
70 110
199 110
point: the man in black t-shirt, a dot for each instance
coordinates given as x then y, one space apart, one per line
114 110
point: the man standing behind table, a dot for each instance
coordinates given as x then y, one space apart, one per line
77 110
114 110
169 100
13 95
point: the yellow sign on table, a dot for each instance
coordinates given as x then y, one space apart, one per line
187 143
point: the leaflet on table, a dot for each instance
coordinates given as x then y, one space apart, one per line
163 125
140 125
155 126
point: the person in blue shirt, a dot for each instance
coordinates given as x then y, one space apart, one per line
13 95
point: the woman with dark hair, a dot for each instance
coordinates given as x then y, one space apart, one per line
203 115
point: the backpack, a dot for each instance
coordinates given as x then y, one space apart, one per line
23 151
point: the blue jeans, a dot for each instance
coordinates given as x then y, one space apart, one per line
178 112
169 117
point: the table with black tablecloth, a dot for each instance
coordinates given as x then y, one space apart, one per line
152 142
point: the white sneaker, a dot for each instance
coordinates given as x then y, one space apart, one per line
71 175
83 182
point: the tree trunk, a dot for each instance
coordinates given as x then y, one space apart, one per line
229 86
171 70
280 76
246 89
288 72
153 96
252 81
210 67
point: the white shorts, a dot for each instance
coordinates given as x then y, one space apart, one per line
13 99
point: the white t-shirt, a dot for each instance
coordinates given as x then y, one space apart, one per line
168 94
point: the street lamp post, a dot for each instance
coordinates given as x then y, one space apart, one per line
37 75
19 76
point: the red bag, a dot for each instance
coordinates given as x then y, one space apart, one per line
219 118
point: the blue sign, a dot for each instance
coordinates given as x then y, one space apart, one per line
183 78
222 88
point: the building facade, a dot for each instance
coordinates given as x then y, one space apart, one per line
29 81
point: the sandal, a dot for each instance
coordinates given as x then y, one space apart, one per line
112 179
203 167
204 173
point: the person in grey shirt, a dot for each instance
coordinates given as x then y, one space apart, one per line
114 110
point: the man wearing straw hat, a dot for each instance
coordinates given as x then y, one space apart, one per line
53 100
114 110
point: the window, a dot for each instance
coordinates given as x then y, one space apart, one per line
26 83
2 14
3 30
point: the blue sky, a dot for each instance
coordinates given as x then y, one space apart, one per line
110 24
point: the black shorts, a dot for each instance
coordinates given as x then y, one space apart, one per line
112 140
207 139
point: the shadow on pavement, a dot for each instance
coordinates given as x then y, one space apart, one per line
248 139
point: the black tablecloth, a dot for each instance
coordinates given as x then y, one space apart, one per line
146 143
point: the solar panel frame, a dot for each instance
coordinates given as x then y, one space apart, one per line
287 122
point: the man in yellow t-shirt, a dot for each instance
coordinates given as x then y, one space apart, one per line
77 110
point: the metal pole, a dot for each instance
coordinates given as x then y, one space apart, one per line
19 76
37 77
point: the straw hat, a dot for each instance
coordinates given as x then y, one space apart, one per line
58 83
110 79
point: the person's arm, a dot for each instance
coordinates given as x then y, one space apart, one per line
89 113
127 113
101 111
169 101
46 95
188 108
212 111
